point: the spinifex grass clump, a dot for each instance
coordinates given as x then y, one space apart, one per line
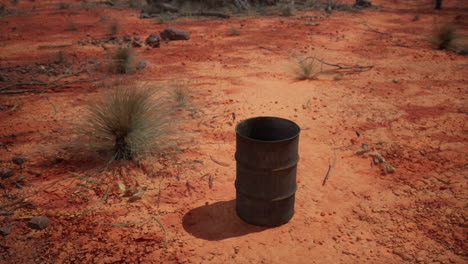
128 121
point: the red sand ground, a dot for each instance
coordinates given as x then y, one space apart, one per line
415 215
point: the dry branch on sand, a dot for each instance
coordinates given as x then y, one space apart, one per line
310 67
63 81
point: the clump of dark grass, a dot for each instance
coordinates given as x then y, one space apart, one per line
181 94
72 25
129 121
122 60
287 10
63 5
113 28
444 36
234 31
61 57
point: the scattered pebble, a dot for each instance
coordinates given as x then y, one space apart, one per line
6 173
39 223
5 230
20 178
153 40
141 65
18 160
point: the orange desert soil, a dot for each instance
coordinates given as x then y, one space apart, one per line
413 102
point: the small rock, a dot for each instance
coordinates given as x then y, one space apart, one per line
172 33
136 44
2 78
6 173
322 214
20 178
18 160
136 38
39 222
35 173
153 40
127 38
145 15
5 230
141 65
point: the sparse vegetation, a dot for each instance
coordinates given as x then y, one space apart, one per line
305 69
287 10
180 94
61 57
114 27
64 5
234 31
128 121
444 36
72 26
122 60
377 158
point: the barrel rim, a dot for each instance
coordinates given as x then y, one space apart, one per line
273 141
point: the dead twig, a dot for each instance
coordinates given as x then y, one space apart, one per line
339 66
219 162
330 167
52 84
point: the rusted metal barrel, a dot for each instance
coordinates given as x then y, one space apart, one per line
267 156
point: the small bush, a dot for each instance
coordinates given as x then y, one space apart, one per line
287 10
180 94
61 57
444 36
305 69
122 60
234 31
72 26
114 28
128 121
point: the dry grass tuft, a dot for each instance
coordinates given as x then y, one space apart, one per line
444 36
305 69
128 121
122 60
